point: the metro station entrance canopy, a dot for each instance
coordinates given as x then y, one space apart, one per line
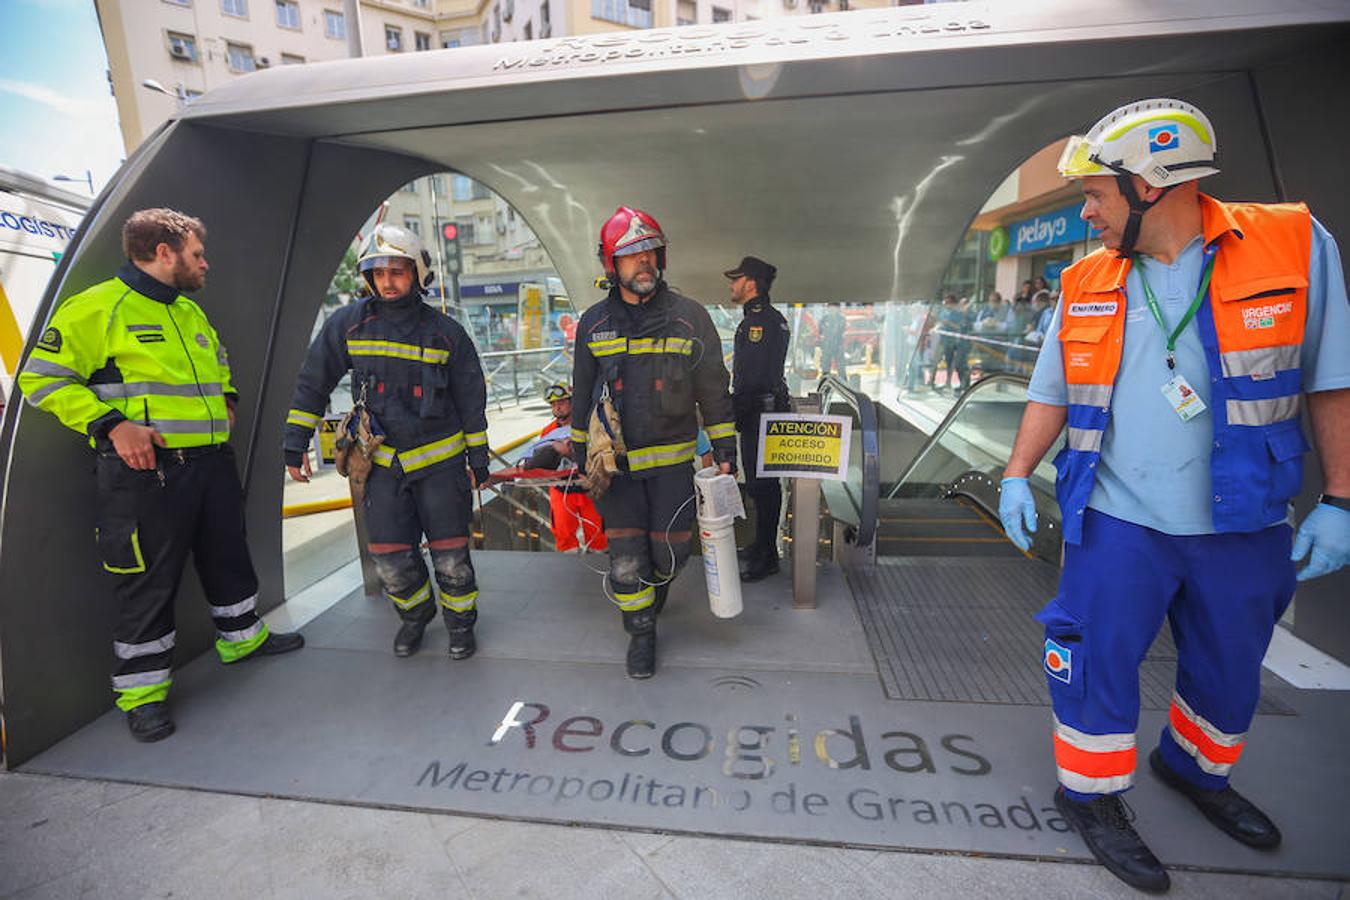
858 146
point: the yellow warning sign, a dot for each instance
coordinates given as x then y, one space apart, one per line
327 438
795 445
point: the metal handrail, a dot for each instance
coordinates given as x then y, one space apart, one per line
952 414
868 505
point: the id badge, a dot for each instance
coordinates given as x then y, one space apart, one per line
1183 397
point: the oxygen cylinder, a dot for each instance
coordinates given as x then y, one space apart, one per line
719 503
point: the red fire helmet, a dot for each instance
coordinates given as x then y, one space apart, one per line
630 231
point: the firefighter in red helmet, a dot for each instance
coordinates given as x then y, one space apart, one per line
648 361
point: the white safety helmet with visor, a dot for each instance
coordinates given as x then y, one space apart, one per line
390 242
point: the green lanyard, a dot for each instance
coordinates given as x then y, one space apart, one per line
1154 308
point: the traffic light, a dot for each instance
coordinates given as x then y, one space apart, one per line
454 263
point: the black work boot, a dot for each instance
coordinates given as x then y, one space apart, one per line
278 642
150 722
662 591
409 638
1235 815
641 625
460 625
1105 826
761 566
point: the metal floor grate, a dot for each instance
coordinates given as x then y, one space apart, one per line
961 630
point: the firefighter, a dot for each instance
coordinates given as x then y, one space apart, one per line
655 358
758 387
136 366
417 373
1185 347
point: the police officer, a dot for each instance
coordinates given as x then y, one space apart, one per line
417 372
137 367
656 356
1185 346
758 387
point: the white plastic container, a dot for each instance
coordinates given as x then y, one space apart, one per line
719 503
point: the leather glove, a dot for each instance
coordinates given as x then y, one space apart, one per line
480 475
1325 532
1017 511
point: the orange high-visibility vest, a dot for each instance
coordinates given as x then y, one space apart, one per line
1252 333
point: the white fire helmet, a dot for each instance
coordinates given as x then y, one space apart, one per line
1165 142
388 242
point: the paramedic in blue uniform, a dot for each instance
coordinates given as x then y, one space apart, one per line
1179 358
757 387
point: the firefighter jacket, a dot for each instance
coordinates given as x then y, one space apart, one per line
757 365
419 374
659 360
1252 333
132 348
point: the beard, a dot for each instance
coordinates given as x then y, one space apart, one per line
642 283
185 278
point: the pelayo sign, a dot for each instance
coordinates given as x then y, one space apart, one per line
1052 229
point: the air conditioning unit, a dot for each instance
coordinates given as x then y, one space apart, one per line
179 50
262 62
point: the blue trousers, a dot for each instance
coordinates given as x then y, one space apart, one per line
1222 594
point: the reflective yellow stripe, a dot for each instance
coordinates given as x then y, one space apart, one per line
579 436
457 602
660 455
303 419
720 430
607 348
640 599
384 456
135 549
416 599
476 438
396 350
661 345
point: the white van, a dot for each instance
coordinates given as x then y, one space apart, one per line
37 221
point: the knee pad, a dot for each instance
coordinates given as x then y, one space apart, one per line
663 554
629 563
455 578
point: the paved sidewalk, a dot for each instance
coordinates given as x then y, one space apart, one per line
69 838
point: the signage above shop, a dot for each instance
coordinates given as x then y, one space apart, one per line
508 289
1052 229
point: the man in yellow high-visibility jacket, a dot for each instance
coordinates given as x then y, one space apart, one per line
136 366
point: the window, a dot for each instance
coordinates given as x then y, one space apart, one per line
240 57
686 12
235 8
290 59
508 9
179 2
421 40
466 232
334 24
496 24
720 15
465 188
422 4
449 39
288 14
182 46
409 188
438 185
528 31
637 13
393 38
413 224
483 229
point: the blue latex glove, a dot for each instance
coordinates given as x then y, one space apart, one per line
1017 511
1326 532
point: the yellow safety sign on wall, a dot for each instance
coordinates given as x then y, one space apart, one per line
793 445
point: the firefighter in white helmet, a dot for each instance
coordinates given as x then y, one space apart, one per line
1187 345
417 373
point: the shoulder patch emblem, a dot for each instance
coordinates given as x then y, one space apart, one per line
50 341
202 341
756 333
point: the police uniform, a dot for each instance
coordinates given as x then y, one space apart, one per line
420 377
758 387
133 349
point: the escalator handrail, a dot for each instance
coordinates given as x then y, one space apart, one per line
866 410
940 432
